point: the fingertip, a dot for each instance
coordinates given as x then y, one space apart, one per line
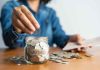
90 46
30 32
38 26
34 29
22 6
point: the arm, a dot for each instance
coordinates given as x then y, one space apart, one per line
59 36
19 18
6 24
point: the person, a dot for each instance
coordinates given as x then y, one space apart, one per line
22 18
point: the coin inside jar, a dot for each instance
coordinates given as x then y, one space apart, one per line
36 49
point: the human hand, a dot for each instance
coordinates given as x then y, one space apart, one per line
76 39
24 21
79 41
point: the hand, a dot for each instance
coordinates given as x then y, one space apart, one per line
83 48
23 20
77 39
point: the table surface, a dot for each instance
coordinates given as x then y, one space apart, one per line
86 63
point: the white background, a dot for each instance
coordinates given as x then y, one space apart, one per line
79 16
76 16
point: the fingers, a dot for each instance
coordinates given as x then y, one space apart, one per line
76 38
25 21
79 39
79 42
19 27
18 30
83 48
30 16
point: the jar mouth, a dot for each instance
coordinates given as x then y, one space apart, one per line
34 37
30 39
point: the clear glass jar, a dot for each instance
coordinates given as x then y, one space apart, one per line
36 49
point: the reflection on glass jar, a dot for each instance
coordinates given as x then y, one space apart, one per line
36 49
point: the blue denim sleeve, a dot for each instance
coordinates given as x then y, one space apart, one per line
59 36
9 35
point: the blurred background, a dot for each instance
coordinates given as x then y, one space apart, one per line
76 16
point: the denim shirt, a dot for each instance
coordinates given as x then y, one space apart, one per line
49 25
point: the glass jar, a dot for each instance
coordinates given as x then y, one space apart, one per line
36 49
